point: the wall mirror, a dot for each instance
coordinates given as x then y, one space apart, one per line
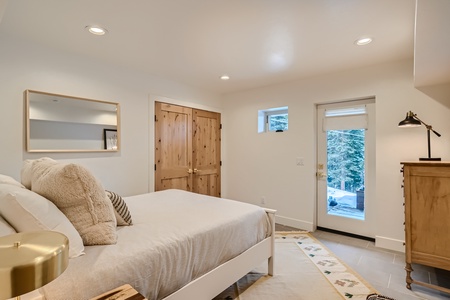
59 123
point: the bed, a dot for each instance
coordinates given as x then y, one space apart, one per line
181 246
176 239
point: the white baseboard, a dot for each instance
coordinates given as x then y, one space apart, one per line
389 243
294 223
380 241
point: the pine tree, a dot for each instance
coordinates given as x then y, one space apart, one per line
279 122
346 159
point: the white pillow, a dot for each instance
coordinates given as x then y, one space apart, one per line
9 180
5 228
28 211
6 188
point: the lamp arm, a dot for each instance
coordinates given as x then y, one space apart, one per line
429 127
435 132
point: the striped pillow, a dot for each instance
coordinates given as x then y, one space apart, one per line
123 215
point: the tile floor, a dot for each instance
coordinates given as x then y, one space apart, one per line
383 269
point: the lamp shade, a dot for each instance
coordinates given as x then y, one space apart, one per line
409 121
29 260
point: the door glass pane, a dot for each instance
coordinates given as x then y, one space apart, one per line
345 173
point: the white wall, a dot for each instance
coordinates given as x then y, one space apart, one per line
3 5
257 165
33 66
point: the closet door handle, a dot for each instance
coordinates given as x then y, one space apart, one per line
190 171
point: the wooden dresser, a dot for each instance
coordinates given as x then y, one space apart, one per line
427 217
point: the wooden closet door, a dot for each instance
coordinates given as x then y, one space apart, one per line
206 152
173 147
187 149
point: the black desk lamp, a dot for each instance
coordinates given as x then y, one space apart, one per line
412 120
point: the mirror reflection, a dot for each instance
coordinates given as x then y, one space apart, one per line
59 123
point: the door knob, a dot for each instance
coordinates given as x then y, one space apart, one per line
190 171
195 171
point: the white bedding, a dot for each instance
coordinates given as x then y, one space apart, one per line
177 236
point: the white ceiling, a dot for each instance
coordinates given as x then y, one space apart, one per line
255 42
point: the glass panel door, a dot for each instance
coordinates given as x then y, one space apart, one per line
346 166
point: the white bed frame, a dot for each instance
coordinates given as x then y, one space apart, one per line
217 280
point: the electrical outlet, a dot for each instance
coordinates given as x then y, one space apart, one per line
263 200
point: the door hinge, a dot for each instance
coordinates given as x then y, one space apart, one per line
155 167
220 127
156 120
220 163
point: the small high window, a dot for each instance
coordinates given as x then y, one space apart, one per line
273 119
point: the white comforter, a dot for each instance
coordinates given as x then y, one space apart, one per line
177 236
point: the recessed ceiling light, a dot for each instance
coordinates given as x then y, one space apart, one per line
363 41
96 30
225 77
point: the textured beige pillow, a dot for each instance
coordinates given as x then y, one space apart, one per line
80 196
26 173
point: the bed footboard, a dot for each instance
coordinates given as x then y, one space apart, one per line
271 214
217 280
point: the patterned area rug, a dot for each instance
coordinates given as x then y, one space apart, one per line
348 283
304 269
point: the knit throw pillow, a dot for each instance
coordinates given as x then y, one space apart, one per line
123 215
80 196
